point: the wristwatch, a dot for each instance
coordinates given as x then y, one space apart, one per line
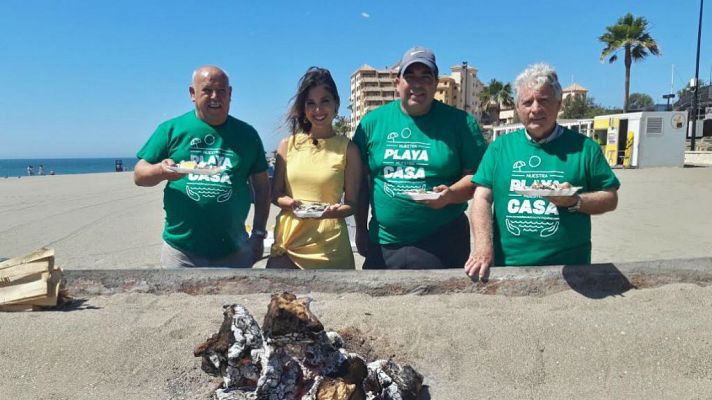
260 233
576 206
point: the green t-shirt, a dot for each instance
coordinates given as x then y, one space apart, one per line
405 153
206 215
530 230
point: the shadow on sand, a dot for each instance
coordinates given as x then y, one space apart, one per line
596 281
424 393
71 304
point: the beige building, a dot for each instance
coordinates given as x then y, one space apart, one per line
371 88
447 90
469 88
573 90
507 116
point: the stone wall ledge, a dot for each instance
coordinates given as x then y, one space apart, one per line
595 281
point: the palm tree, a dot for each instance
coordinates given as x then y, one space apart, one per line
496 96
630 34
342 125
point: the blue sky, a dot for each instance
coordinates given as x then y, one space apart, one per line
93 78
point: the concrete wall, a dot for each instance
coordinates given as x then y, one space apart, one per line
698 157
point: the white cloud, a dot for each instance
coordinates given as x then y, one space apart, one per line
365 15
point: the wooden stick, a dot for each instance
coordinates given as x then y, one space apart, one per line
30 280
53 286
14 273
37 255
24 291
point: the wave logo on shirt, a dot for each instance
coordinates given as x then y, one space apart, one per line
207 187
389 190
516 226
531 214
198 192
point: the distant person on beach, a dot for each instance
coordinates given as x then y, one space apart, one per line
205 214
41 170
314 165
416 143
30 170
532 230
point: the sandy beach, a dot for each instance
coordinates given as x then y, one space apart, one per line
647 344
136 342
104 221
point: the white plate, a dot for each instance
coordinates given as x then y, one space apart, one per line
308 214
197 170
423 196
302 213
548 192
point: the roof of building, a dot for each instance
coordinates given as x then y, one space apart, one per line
575 87
366 67
458 67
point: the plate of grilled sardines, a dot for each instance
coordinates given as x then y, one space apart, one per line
542 189
422 194
199 168
310 209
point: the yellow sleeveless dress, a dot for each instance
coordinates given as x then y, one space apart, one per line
314 173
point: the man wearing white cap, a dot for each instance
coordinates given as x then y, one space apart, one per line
416 143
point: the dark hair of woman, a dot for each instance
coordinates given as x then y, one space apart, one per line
315 76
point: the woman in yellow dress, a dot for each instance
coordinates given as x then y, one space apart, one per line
314 165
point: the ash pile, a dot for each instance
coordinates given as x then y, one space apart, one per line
293 358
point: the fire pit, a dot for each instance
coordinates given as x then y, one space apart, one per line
293 357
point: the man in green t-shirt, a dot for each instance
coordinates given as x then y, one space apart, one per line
416 143
205 214
529 229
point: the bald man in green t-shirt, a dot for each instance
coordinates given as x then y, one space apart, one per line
205 214
530 230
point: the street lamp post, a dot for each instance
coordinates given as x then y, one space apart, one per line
697 83
464 84
668 97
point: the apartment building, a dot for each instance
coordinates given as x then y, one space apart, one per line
371 88
469 88
447 90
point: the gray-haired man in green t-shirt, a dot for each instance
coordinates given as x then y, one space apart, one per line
529 229
205 214
416 143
